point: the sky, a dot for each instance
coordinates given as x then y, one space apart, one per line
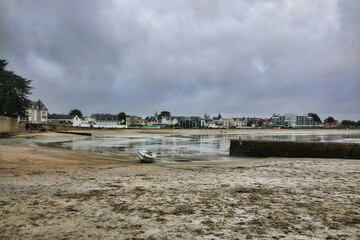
189 57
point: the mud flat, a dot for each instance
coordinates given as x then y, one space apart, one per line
61 194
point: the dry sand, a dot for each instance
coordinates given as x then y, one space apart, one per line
59 194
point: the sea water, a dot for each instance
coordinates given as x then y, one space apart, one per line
185 147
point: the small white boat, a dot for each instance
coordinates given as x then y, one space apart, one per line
147 156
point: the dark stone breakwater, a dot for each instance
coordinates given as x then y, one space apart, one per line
261 148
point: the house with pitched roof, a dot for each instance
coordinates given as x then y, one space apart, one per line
240 122
36 112
81 122
170 121
227 123
135 122
152 120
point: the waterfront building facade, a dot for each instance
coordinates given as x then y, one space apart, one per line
291 120
36 112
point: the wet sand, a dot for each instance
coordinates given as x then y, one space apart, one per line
61 194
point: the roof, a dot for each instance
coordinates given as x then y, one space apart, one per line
60 116
103 117
37 105
240 119
151 119
191 118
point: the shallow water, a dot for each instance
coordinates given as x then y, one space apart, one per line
182 147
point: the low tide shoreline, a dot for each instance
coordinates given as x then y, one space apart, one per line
50 193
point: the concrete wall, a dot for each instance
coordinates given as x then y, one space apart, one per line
252 148
8 125
52 126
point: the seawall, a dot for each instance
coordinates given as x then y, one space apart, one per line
262 148
9 126
50 126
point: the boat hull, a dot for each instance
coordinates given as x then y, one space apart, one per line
146 156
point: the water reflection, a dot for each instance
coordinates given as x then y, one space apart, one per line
295 138
181 147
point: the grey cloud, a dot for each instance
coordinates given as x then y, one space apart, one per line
189 57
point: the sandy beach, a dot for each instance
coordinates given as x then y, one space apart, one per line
50 193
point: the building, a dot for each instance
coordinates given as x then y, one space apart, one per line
105 121
336 124
192 122
170 121
291 120
306 121
217 120
227 123
210 124
240 122
254 121
36 112
278 120
133 121
60 118
152 120
264 123
82 122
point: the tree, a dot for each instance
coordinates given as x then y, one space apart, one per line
164 114
76 112
3 64
219 117
350 123
122 117
13 92
315 117
329 120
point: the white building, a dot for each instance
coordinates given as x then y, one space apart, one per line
81 122
240 122
106 121
169 121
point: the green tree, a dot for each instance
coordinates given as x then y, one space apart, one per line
122 117
350 123
76 112
14 91
164 114
329 120
315 117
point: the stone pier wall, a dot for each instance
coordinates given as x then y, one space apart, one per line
8 125
254 148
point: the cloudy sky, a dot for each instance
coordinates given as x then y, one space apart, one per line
237 58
